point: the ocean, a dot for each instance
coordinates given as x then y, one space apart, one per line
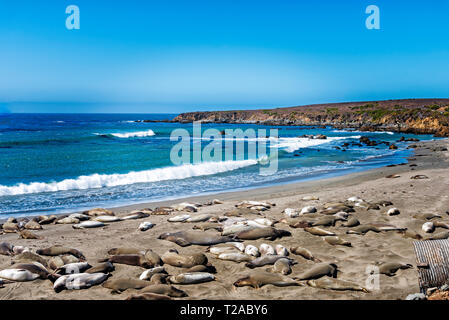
60 163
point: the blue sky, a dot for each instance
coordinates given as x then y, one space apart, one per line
176 56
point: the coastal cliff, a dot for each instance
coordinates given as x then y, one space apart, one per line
421 116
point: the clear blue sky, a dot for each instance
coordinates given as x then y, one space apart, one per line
175 56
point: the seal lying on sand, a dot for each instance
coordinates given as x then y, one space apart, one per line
60 250
303 252
27 234
187 238
319 232
29 257
192 278
363 229
6 249
390 268
79 281
19 275
266 260
148 296
164 289
318 271
131 260
104 267
36 268
268 233
335 284
259 279
175 259
121 284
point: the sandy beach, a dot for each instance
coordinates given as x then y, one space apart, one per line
411 196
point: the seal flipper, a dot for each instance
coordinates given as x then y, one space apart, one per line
182 242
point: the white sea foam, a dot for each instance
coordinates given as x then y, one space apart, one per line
293 144
111 180
138 134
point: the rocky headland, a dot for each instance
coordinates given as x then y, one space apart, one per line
420 116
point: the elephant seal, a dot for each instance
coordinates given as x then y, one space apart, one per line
147 274
79 281
187 238
71 268
192 278
410 234
27 234
47 219
153 258
265 249
10 227
138 260
60 250
202 268
6 249
164 289
235 256
36 268
33 225
337 241
319 232
335 284
352 222
328 221
175 259
268 233
390 268
19 275
259 279
27 257
282 266
107 219
204 226
266 260
125 250
146 225
104 267
148 296
252 251
98 212
122 284
303 252
138 214
88 224
318 271
159 278
67 220
281 250
439 236
363 229
59 261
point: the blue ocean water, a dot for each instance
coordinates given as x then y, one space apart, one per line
54 163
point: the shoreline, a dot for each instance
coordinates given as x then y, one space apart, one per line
305 186
411 197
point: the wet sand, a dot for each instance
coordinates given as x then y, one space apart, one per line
410 196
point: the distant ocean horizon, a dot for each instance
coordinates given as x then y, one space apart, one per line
58 163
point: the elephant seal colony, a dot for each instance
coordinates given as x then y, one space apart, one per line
312 240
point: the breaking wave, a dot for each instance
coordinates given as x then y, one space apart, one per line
111 180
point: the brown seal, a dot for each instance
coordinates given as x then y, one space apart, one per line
60 250
175 259
268 233
318 271
259 279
